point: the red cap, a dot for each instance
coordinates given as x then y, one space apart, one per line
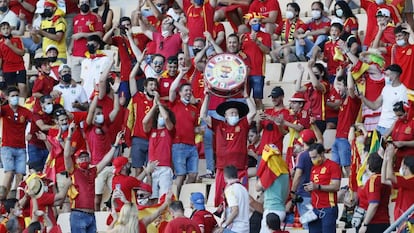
298 97
119 163
307 135
145 187
81 151
50 3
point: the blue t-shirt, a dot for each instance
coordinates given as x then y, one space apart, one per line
305 164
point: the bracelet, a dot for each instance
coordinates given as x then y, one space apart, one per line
115 146
365 225
115 92
292 192
319 187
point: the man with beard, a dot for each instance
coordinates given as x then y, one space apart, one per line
139 106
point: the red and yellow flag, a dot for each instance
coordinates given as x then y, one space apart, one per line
272 165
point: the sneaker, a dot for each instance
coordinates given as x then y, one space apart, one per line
208 176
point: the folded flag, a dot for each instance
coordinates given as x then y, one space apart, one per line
271 166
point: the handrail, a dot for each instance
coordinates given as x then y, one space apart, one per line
402 218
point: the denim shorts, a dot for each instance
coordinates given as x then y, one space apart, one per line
185 159
124 90
139 152
37 154
341 152
14 159
256 82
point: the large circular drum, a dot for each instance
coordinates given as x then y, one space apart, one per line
225 74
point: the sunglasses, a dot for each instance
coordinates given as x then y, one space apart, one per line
161 45
158 63
16 116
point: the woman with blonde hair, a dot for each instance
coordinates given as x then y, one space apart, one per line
127 221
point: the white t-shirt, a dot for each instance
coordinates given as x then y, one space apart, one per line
390 96
237 195
91 70
70 95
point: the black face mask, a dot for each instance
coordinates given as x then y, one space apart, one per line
195 51
91 48
67 78
47 13
4 8
84 8
99 2
52 59
7 37
3 85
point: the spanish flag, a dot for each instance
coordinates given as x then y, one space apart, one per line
375 144
272 165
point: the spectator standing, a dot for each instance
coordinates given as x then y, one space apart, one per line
324 184
105 12
13 150
85 24
82 217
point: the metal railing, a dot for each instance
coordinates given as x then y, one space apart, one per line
400 220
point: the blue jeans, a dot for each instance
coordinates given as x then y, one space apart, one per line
208 148
37 154
185 159
307 49
302 209
30 45
341 152
326 222
382 130
82 222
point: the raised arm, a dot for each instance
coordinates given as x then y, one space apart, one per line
204 109
91 110
115 109
103 77
210 39
147 121
67 151
175 84
108 156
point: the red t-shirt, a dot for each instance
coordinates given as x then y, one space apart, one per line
387 40
11 62
39 116
329 54
316 100
44 85
332 97
371 9
107 104
99 140
197 84
138 107
323 175
378 193
403 131
313 25
84 182
265 7
404 57
252 50
405 197
160 145
348 113
204 219
164 84
128 184
351 24
90 22
272 135
300 118
182 225
57 150
199 19
125 55
231 143
14 126
186 117
142 227
167 46
17 7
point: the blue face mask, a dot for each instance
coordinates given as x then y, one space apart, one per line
199 2
256 27
14 100
161 122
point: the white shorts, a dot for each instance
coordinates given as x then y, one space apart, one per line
162 179
104 178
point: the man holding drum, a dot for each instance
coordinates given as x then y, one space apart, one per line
231 137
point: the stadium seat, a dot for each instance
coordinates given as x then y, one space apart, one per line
273 72
63 221
187 189
291 73
101 217
329 138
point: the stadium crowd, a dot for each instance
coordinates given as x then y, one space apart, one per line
77 129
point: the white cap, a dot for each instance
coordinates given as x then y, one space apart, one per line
40 8
63 66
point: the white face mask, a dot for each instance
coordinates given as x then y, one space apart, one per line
48 108
99 119
379 1
64 127
400 42
233 120
316 14
14 100
185 101
165 33
161 122
401 171
339 12
290 15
